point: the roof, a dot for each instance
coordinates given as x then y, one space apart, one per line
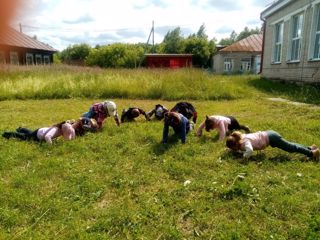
168 55
275 6
17 39
253 43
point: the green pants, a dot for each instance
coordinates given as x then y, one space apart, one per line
276 140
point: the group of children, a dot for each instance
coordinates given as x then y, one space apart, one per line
181 118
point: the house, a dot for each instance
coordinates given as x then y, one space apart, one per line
20 49
168 60
291 49
243 56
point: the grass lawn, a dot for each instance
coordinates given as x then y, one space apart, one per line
122 183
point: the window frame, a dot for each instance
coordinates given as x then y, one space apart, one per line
14 58
277 45
228 62
315 34
295 37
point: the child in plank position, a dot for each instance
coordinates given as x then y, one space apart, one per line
246 143
131 113
43 134
68 129
102 110
186 109
179 123
223 124
158 111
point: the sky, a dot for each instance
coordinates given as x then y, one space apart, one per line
63 23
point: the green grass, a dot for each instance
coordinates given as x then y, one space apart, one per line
122 183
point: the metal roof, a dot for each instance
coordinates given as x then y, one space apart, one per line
13 38
253 43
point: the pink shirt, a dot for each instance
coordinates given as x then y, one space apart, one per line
254 141
49 133
220 123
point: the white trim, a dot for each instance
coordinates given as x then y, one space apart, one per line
315 2
275 8
290 15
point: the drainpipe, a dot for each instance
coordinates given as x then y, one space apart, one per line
263 42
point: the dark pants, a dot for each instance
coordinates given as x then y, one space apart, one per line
276 140
22 134
234 125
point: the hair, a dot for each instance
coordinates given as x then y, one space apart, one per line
208 124
59 125
234 141
172 118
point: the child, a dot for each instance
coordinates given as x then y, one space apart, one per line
99 111
132 113
158 112
47 134
83 125
260 140
186 109
223 124
179 123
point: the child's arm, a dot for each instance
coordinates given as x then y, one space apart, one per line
165 133
183 129
222 130
201 127
248 149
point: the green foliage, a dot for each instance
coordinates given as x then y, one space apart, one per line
173 42
76 52
234 37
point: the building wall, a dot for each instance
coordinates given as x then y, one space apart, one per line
219 59
300 71
35 56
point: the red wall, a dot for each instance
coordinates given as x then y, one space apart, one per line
169 61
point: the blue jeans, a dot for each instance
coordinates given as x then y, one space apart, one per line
276 140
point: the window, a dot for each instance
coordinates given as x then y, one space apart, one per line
296 35
245 65
228 64
2 57
277 45
38 59
29 58
46 59
14 59
315 35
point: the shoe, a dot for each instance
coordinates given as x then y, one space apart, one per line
6 135
316 154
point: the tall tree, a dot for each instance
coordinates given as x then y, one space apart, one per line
202 32
173 42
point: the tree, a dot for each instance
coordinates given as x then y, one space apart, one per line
173 42
230 40
202 32
246 32
75 52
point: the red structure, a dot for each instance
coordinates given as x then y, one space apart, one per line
168 60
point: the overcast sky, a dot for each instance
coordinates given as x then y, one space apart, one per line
61 23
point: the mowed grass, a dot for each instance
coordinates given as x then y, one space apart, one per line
122 183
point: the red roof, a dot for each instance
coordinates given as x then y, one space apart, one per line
17 39
253 43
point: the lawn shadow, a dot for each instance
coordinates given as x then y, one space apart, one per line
161 148
205 138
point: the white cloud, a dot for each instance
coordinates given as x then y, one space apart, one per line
61 23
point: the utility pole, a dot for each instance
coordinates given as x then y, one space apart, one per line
145 49
20 27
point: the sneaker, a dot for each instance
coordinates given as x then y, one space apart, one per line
6 135
316 154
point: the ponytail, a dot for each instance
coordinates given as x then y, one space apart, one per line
234 141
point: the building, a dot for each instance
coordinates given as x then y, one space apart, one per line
291 49
243 56
20 49
168 60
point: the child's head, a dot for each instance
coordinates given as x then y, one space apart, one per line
209 124
172 118
135 112
111 108
234 141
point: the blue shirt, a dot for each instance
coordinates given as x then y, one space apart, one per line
182 129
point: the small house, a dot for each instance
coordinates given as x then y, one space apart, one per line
243 56
20 49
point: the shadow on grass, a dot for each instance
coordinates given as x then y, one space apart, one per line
161 148
306 93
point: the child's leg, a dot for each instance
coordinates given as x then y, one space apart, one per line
234 125
89 114
276 140
24 130
18 135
